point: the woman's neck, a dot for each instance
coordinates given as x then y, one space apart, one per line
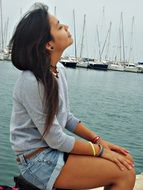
55 57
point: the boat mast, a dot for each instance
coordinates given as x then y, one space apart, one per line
75 46
118 54
102 25
101 34
120 44
99 44
55 11
107 36
123 36
1 15
131 40
108 44
6 31
82 40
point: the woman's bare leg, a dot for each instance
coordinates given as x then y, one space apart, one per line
87 172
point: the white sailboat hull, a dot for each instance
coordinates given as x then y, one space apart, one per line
131 69
116 67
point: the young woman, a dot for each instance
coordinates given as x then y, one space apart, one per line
46 155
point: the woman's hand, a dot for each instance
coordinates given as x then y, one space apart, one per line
121 161
113 147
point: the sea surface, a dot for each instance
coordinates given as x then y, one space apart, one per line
108 102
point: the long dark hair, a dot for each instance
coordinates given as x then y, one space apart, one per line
29 53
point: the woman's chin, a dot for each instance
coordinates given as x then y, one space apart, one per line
71 41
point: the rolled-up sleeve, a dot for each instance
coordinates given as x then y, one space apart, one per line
32 95
72 122
57 139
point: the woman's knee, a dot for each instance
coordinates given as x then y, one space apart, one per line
128 177
130 157
132 175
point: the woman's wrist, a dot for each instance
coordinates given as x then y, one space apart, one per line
96 139
94 149
97 147
101 150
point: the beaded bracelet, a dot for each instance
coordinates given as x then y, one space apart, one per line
93 149
101 150
96 139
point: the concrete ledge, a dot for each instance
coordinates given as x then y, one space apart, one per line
138 184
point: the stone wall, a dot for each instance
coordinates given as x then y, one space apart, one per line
138 184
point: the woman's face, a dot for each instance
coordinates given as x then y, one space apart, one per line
60 33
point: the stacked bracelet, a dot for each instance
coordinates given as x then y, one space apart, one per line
93 149
96 139
101 151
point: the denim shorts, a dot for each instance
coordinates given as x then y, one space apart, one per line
43 169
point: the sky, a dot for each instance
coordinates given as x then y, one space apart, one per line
95 18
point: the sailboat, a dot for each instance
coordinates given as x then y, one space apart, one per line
118 65
97 65
70 61
130 66
100 64
140 66
83 62
4 51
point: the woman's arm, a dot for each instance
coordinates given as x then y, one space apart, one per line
85 148
82 131
89 135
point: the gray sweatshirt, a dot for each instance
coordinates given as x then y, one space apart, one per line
28 117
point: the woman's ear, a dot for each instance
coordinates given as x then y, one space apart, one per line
49 46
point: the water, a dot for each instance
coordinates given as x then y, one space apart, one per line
110 103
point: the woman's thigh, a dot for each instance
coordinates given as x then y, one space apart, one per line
84 172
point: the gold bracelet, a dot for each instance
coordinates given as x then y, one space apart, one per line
93 149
